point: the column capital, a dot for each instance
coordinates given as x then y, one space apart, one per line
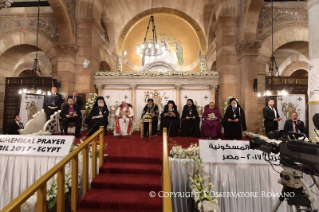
99 87
65 49
178 87
133 87
248 47
213 87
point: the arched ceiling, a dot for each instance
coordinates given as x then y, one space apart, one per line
119 13
285 51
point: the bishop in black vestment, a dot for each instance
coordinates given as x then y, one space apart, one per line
234 120
98 116
170 118
190 120
152 109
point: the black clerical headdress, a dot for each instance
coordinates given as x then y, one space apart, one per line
97 99
232 99
152 100
170 102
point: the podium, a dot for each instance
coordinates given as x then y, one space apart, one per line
149 127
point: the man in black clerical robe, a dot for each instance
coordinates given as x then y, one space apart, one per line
98 116
234 120
152 109
190 120
170 119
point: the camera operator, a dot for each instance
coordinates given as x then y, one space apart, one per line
294 125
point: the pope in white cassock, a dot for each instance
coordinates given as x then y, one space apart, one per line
123 123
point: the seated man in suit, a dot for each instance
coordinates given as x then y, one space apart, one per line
71 113
77 99
16 126
271 117
123 122
52 103
294 125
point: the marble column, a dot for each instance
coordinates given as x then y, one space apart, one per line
213 90
178 96
313 17
133 89
2 89
99 89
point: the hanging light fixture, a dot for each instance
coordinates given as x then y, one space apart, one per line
36 67
150 48
273 64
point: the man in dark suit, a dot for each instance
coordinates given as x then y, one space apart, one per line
71 113
294 125
77 99
16 126
52 103
271 117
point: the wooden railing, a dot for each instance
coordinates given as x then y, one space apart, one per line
167 201
40 185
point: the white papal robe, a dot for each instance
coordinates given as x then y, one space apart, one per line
124 121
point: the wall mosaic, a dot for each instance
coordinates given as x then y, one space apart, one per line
283 18
28 22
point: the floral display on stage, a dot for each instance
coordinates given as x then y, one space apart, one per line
192 152
90 103
156 73
42 132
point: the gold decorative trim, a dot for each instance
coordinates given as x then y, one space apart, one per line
127 28
313 103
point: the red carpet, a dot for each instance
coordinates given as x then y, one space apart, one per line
132 169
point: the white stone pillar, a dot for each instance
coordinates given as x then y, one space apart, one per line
133 88
213 90
178 96
313 17
99 89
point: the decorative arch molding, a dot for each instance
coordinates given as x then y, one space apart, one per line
64 12
29 66
294 67
250 22
281 38
182 15
170 67
290 60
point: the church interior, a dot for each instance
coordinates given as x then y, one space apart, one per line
147 86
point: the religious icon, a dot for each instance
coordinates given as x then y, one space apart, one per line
31 108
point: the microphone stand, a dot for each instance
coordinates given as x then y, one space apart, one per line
93 126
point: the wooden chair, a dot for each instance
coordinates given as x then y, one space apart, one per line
71 124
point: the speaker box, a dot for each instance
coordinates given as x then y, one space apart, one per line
255 85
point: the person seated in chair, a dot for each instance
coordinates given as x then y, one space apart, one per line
98 116
123 122
211 126
294 125
170 119
152 109
190 120
52 103
71 113
15 126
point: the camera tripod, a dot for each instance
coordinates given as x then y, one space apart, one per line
293 192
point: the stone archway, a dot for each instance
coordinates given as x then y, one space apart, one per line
298 65
28 66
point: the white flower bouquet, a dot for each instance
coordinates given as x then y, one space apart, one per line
156 73
90 103
146 116
192 152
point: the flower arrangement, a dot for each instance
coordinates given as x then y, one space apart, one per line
226 103
52 191
90 103
192 152
156 73
146 116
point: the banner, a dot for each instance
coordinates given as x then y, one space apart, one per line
313 79
225 151
35 145
30 105
288 104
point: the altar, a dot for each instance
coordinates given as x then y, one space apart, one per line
136 87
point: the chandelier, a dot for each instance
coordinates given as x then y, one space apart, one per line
273 64
36 68
150 48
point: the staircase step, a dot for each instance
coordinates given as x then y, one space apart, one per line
132 159
142 182
131 168
119 200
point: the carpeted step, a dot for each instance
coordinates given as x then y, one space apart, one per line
119 200
133 159
142 182
131 168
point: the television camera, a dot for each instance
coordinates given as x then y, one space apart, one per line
297 156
